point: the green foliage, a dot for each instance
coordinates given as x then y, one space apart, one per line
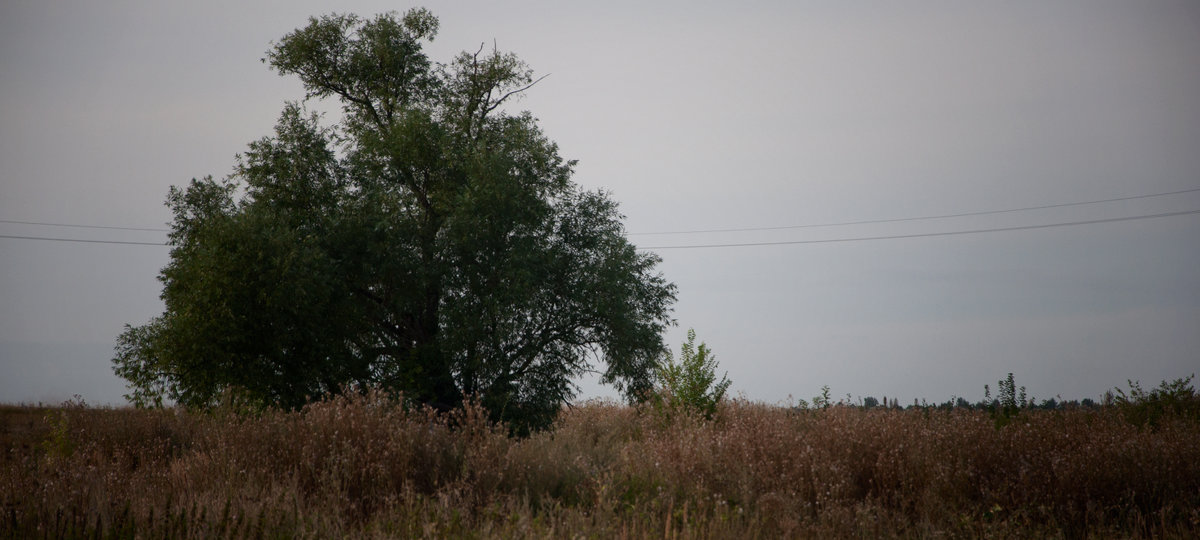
58 444
1009 403
1174 398
822 401
1011 398
691 385
430 243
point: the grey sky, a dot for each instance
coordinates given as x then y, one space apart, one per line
694 116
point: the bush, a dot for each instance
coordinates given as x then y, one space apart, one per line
1175 398
691 385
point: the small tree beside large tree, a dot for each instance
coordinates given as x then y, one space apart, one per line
430 243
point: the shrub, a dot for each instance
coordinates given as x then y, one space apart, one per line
1142 408
690 385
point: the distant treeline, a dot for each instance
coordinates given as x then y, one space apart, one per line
1170 397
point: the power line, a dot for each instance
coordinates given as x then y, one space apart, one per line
922 235
744 244
699 231
941 216
82 240
48 224
751 244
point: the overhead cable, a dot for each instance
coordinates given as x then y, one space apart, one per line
82 240
751 244
48 224
923 235
895 220
740 229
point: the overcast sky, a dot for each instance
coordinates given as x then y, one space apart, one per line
694 116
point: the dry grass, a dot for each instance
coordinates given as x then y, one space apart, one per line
363 467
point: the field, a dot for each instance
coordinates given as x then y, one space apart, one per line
364 467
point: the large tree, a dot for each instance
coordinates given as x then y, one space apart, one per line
430 242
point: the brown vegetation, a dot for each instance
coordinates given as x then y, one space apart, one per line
363 467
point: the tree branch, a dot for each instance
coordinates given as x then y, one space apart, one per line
510 94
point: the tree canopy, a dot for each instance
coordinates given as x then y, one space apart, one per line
429 242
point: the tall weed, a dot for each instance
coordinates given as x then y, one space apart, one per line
364 465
